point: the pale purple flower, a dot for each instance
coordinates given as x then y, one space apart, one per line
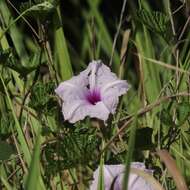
113 177
94 92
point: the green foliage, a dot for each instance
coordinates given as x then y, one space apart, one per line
183 111
6 150
40 10
156 22
42 99
182 114
166 117
70 151
4 55
6 125
10 61
7 80
64 37
143 140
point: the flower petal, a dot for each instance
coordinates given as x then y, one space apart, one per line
116 172
103 75
111 92
95 76
74 88
93 67
119 87
135 182
99 73
111 102
110 172
78 110
69 109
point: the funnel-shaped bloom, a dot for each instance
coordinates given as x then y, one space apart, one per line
94 92
113 178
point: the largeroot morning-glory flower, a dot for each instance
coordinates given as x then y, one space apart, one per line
94 92
113 178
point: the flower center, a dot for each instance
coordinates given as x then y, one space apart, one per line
93 96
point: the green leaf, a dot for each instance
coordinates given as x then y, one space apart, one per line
6 150
32 181
12 63
64 66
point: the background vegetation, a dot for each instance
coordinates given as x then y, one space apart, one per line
45 42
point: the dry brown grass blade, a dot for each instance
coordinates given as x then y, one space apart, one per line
147 177
163 64
125 41
172 168
124 46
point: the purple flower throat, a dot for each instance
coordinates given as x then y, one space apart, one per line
93 96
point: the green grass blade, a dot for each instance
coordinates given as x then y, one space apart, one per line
32 181
101 173
151 72
129 154
6 184
21 137
106 41
62 54
16 36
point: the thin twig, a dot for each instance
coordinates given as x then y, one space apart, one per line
13 173
171 19
117 33
23 165
93 39
180 7
184 28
